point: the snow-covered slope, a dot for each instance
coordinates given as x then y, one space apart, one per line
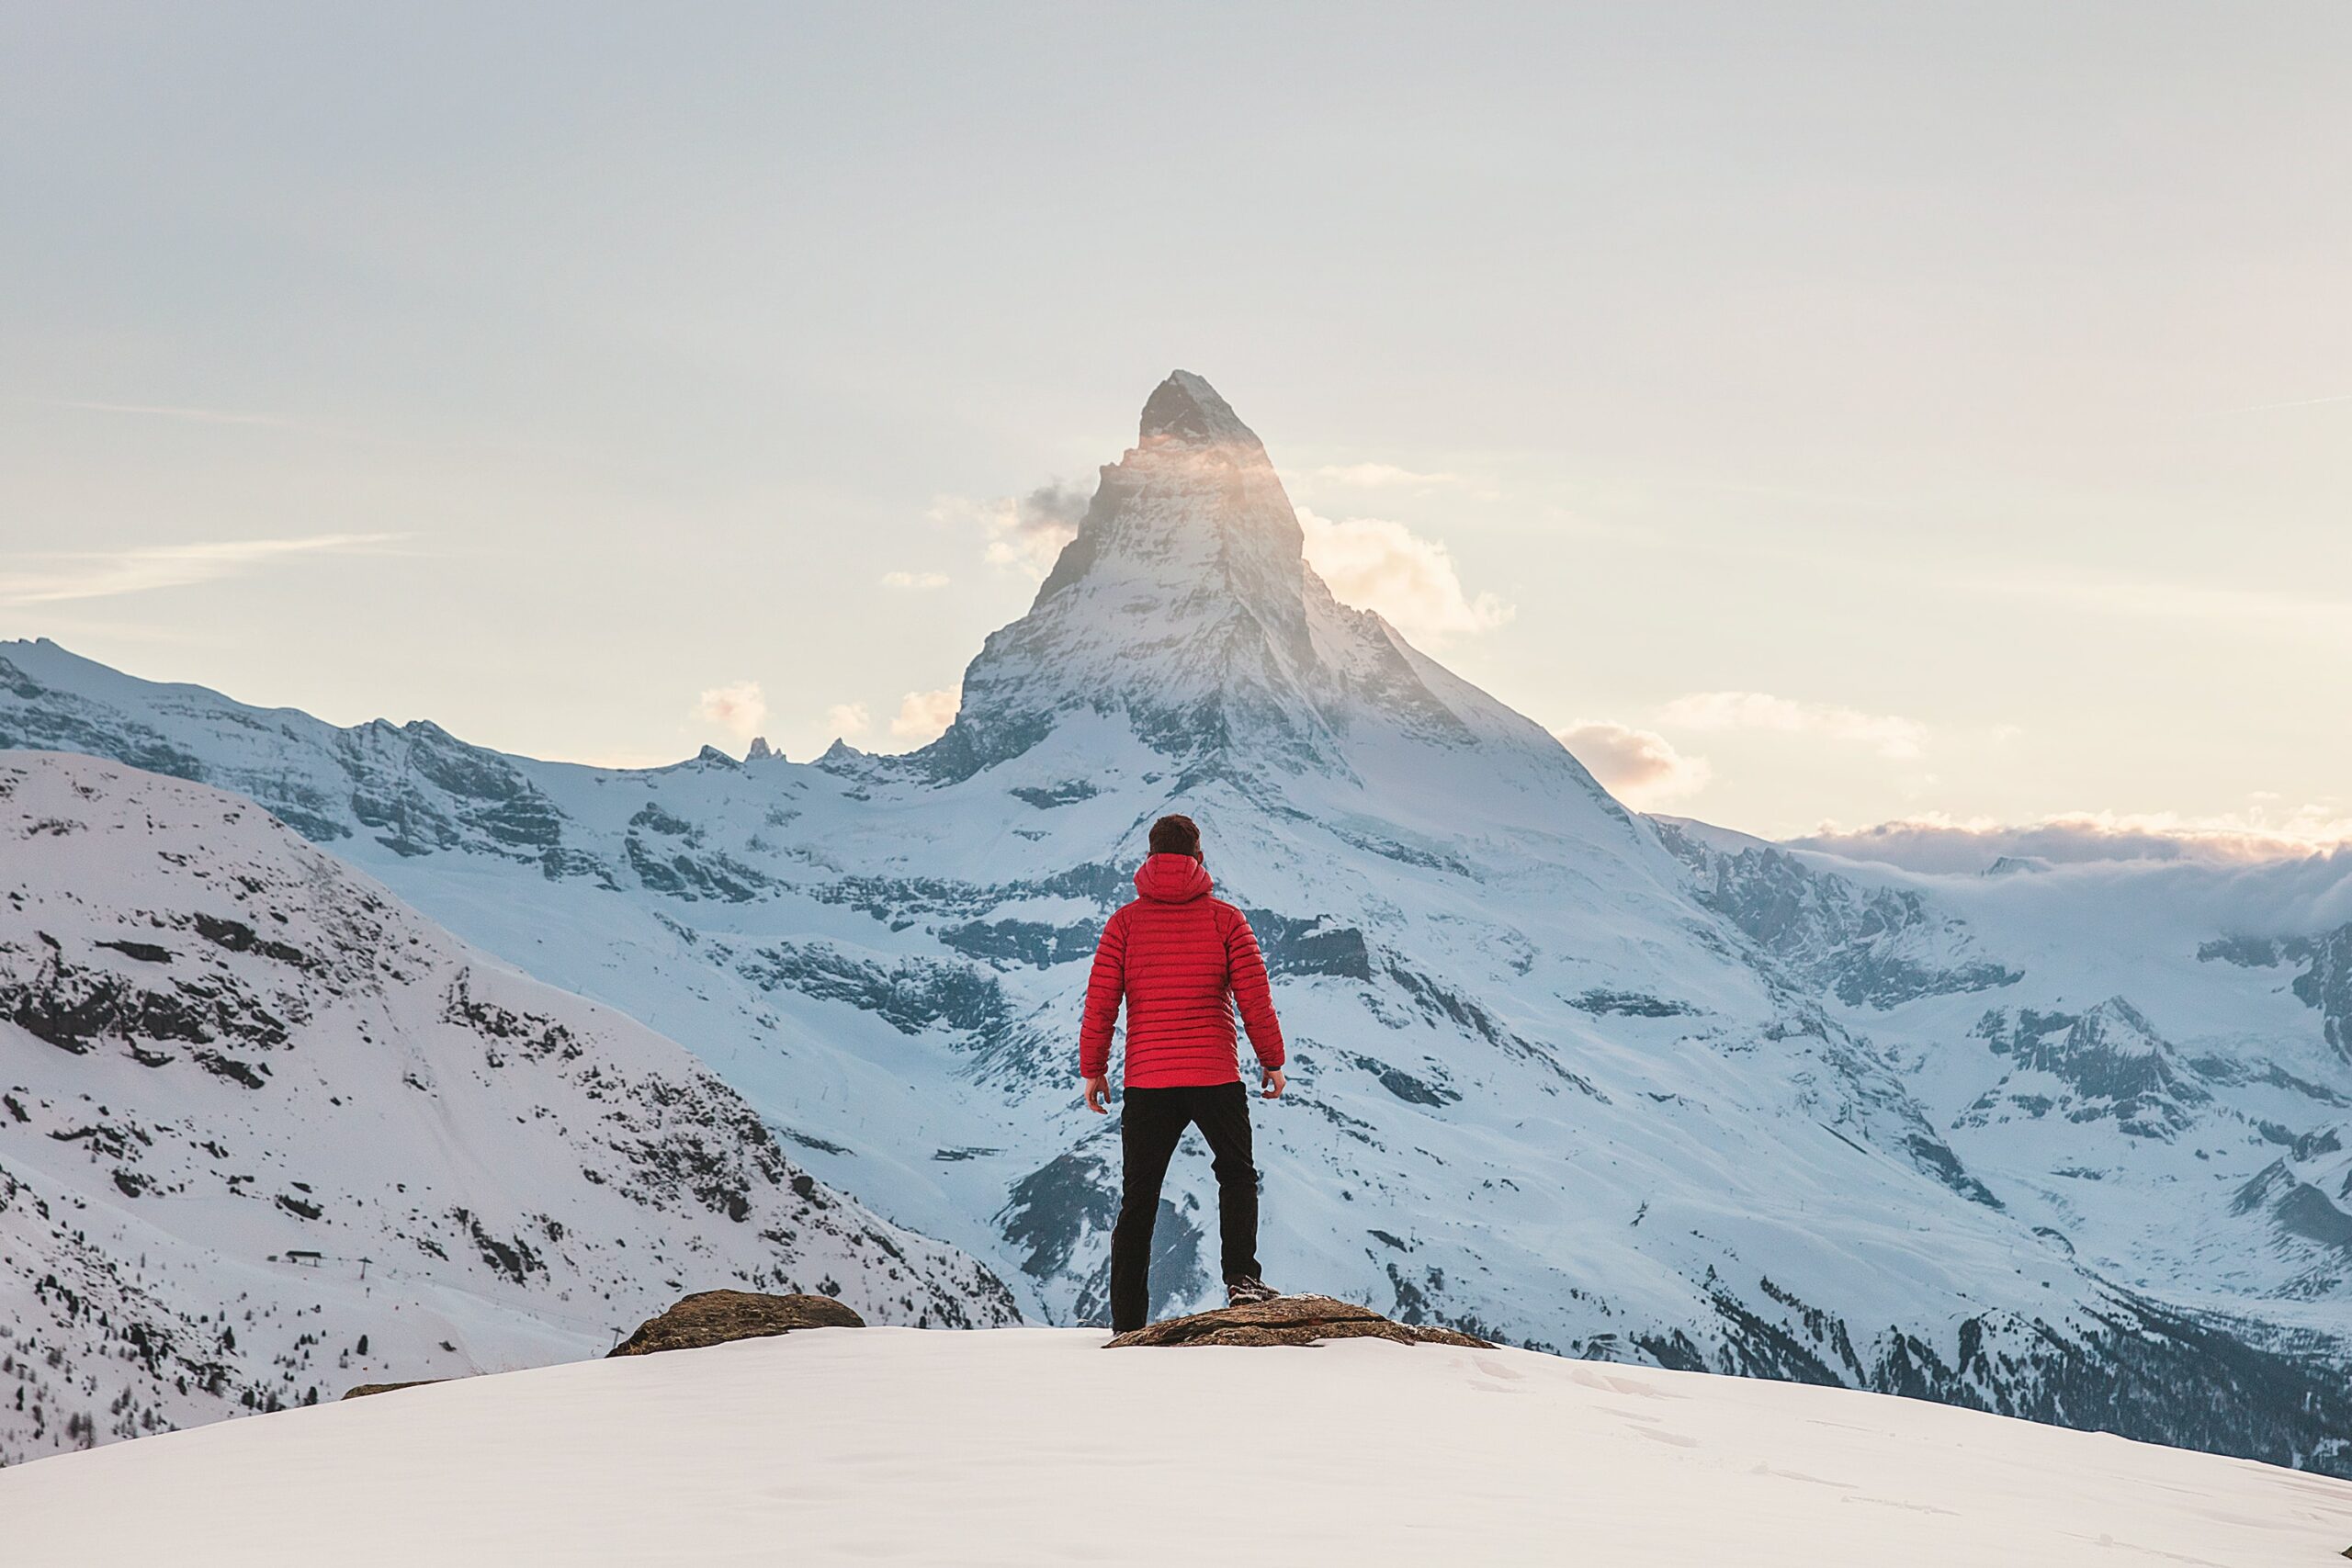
2157 1071
265 1133
1563 1075
1028 1445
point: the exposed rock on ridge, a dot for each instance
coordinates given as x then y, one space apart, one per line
715 1317
1289 1320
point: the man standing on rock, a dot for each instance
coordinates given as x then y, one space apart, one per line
1184 962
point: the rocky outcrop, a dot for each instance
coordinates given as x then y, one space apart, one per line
1290 1320
2105 1064
713 1317
363 1390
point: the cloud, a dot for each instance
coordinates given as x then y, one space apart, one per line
738 709
2268 408
1389 478
1937 842
1641 768
1900 740
914 580
846 719
924 716
48 577
1381 475
165 411
1024 532
1408 580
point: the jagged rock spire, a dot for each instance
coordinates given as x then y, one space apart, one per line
1184 409
1185 606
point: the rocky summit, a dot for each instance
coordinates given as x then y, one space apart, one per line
1290 1320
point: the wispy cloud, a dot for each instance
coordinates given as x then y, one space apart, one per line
48 577
914 580
1375 564
165 411
2266 408
1639 767
846 719
1900 740
739 709
924 716
1023 532
1382 475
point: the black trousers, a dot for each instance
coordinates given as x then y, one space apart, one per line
1151 1124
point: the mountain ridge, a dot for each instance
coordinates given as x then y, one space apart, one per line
263 1128
1566 1075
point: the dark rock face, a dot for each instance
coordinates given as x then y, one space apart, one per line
911 996
1316 945
1290 1320
2130 1366
1022 942
2326 982
2108 1063
1874 947
1054 1207
713 1317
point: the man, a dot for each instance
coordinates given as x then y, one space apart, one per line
1183 961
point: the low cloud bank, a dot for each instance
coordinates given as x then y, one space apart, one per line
1940 845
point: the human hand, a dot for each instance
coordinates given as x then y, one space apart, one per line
1098 1094
1274 1083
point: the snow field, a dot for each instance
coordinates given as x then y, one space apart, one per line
1034 1447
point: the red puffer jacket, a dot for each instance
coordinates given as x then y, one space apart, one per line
1183 961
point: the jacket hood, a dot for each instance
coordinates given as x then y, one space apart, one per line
1173 879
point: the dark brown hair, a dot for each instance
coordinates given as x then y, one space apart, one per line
1175 836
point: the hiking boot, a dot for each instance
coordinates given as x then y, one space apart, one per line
1240 1292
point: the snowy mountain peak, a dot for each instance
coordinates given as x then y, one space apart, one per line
1196 504
1185 608
1185 411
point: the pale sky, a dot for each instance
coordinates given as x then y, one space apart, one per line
1826 414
